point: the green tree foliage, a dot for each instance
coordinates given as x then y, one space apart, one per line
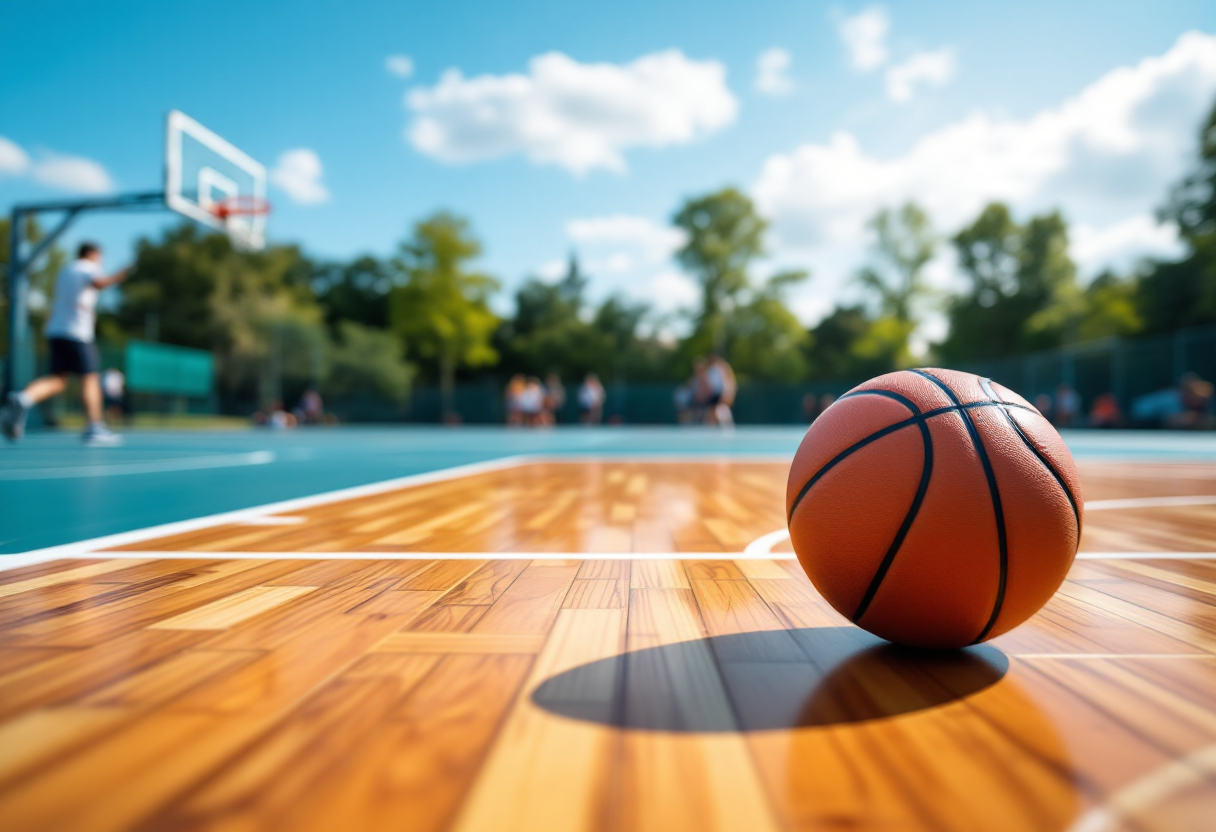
904 245
441 309
768 342
1023 292
367 360
357 291
254 310
724 236
1178 294
555 330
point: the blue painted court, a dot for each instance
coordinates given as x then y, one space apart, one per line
55 491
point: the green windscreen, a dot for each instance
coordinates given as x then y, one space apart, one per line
160 368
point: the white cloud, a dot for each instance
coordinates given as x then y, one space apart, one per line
13 160
552 270
649 241
574 115
934 68
1121 245
400 65
69 173
865 36
298 172
1105 156
72 173
772 72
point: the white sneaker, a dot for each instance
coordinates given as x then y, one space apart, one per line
100 436
12 418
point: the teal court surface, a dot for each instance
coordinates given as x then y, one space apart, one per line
53 491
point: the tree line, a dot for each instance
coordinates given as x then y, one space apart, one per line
279 320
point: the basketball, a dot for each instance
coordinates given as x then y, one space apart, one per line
934 508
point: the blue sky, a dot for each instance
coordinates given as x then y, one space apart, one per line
593 150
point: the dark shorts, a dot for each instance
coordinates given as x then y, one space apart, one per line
70 357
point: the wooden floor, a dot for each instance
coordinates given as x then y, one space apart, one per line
197 690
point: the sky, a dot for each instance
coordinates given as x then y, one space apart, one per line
560 127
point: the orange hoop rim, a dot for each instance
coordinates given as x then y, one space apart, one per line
241 206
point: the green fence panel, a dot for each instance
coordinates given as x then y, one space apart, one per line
169 370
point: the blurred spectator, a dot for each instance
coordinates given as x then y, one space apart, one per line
311 409
826 401
591 400
1196 397
114 396
1042 403
685 400
511 396
810 408
722 388
532 402
555 398
275 417
1068 406
1105 412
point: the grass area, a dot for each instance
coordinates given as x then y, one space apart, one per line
165 421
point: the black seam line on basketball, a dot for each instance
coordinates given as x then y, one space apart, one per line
879 434
926 473
995 492
986 384
888 394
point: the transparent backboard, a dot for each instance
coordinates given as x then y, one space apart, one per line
204 173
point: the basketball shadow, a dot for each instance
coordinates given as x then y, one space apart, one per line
767 681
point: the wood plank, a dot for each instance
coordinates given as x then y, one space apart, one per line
38 737
62 576
458 643
658 574
713 773
234 609
418 763
545 772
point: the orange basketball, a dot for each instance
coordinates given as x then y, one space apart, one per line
934 508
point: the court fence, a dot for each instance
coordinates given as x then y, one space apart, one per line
1135 371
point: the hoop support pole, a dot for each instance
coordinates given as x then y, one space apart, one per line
18 368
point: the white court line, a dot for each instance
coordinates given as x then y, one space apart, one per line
1150 502
763 545
29 558
158 466
244 515
1146 555
1133 802
85 547
1113 655
272 521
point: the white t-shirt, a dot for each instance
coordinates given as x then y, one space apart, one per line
74 312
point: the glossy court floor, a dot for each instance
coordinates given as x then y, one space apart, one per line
599 630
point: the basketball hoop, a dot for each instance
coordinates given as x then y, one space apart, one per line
241 206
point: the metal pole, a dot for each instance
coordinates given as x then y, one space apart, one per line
18 301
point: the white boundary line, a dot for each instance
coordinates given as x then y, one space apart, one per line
88 548
154 466
1150 502
85 548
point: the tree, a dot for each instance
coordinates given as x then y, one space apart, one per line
1182 293
255 310
768 342
904 244
724 235
368 360
1023 294
441 309
355 291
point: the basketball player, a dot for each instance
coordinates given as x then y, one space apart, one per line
70 336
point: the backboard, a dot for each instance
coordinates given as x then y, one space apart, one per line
204 175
